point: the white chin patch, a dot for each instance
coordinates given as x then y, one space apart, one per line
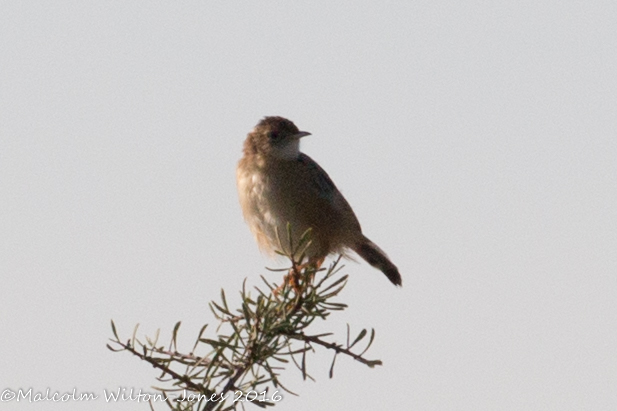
289 151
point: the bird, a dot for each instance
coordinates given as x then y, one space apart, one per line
279 185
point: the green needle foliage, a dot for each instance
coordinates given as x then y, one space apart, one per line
269 331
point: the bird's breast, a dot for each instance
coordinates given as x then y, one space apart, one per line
272 196
261 204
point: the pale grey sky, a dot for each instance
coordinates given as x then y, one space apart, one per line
476 142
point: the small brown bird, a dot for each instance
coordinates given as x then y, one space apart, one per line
278 184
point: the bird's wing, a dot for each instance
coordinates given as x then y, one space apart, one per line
335 207
324 185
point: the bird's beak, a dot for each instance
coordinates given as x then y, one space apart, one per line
302 134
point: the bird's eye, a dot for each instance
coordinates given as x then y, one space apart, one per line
273 135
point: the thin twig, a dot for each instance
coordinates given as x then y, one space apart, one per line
333 346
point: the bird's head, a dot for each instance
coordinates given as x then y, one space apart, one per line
275 137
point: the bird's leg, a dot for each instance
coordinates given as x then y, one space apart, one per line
309 268
315 264
294 276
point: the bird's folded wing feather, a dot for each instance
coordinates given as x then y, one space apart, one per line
338 210
324 186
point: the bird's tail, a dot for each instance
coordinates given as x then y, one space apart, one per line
378 259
